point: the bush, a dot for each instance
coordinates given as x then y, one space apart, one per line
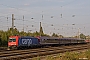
3 43
69 56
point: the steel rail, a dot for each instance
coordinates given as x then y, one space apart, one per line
39 52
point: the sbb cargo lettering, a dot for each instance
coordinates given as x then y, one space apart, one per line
26 41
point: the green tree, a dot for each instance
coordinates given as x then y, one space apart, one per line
60 36
82 36
55 35
4 35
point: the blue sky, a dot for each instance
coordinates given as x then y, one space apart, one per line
73 12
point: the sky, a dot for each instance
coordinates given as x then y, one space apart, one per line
64 17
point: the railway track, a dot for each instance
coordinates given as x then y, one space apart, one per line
30 53
3 49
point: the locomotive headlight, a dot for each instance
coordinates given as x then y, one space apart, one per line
14 44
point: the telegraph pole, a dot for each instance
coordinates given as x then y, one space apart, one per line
61 11
79 33
23 23
12 23
7 23
42 15
40 29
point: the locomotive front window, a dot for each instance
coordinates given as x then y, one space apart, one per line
12 40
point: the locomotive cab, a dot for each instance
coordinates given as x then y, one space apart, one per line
13 42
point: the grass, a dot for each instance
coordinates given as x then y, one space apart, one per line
68 56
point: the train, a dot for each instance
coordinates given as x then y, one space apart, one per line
18 42
87 40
